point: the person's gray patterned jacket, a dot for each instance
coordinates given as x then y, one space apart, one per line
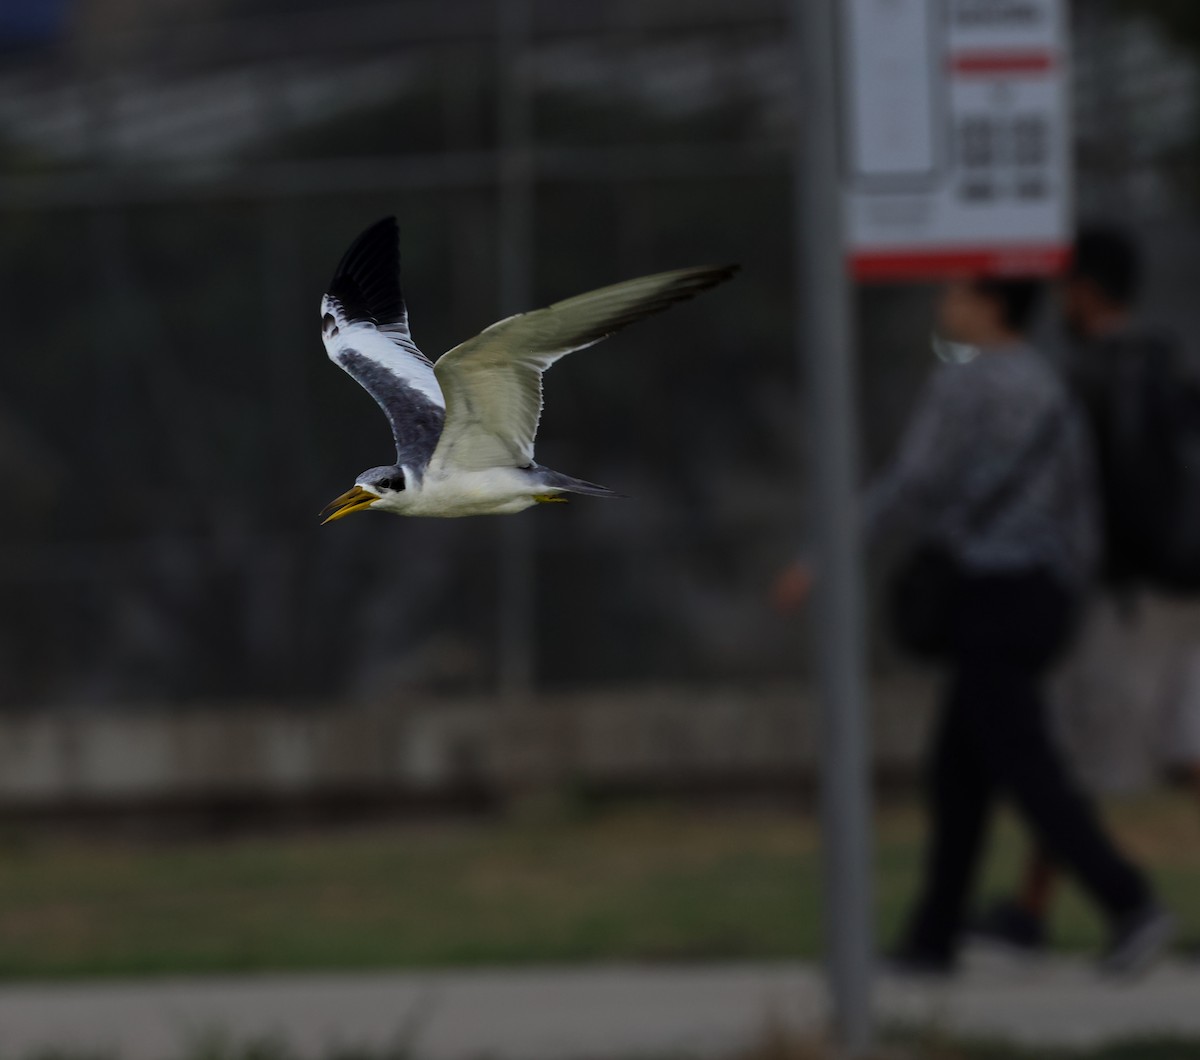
972 424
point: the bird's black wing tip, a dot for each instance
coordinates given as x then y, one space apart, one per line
367 279
384 226
378 241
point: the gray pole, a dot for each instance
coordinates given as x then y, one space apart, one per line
516 615
825 334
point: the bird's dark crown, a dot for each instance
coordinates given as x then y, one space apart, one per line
389 477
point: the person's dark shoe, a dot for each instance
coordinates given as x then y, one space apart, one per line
1010 926
1138 941
909 962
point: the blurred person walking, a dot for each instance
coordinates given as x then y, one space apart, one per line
994 482
1128 701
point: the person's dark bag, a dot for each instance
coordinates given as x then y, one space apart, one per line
924 590
922 600
1147 423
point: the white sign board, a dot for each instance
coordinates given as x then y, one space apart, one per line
957 145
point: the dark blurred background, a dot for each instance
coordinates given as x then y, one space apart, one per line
186 654
178 180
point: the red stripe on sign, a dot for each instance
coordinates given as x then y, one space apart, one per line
942 264
1030 62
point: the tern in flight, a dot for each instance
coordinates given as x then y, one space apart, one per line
464 427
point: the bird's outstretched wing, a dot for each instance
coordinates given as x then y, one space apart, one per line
364 324
493 382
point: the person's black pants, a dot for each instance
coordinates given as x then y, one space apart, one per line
994 739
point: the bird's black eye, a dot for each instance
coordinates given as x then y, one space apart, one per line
396 483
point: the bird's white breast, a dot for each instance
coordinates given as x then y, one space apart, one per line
494 491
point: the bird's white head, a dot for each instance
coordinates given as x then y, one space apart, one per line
380 487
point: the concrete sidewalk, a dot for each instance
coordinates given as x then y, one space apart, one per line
575 1012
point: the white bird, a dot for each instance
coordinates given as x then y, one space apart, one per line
464 427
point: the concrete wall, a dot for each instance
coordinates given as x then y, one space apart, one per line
634 738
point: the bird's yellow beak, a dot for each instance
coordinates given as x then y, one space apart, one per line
355 500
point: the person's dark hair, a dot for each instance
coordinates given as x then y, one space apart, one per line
1018 299
1109 258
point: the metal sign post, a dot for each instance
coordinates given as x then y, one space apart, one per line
957 162
825 335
